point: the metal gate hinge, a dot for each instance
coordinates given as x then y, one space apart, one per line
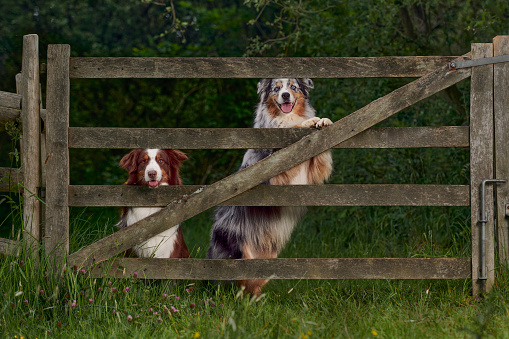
478 62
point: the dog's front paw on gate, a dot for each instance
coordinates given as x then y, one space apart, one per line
310 122
324 122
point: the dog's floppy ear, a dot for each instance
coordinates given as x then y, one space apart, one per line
308 83
262 85
176 155
305 85
176 159
129 162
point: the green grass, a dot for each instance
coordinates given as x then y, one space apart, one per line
75 305
289 308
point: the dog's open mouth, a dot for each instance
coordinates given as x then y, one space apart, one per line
153 183
286 107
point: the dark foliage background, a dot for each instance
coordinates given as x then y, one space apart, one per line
255 28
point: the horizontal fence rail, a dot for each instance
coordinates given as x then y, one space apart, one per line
334 67
8 114
358 268
8 246
10 106
10 100
243 138
271 195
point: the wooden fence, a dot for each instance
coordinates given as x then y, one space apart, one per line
488 85
27 105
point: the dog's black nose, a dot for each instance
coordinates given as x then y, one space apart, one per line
285 96
152 174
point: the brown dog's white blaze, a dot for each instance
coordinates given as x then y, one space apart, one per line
154 168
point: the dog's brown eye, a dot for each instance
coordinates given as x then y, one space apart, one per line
161 161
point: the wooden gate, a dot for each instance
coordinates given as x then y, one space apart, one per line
242 188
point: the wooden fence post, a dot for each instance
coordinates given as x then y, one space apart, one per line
501 106
56 236
31 129
481 164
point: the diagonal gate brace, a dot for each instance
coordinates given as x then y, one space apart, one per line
306 148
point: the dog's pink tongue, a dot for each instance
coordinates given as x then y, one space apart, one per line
287 107
153 183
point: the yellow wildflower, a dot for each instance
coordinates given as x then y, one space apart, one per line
308 332
196 335
373 332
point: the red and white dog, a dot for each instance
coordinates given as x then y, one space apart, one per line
154 168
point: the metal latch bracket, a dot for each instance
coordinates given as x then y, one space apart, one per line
478 62
483 222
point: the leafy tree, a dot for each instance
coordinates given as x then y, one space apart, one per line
251 28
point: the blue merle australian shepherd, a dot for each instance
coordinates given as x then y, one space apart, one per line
248 232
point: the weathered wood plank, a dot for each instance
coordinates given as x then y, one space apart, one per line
8 114
244 138
8 247
311 145
501 107
56 238
139 67
31 148
481 162
10 100
266 195
9 179
282 268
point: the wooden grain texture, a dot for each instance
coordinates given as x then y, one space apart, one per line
8 247
309 146
282 268
139 67
244 138
10 178
481 162
56 237
31 148
266 195
10 100
8 114
11 114
501 110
